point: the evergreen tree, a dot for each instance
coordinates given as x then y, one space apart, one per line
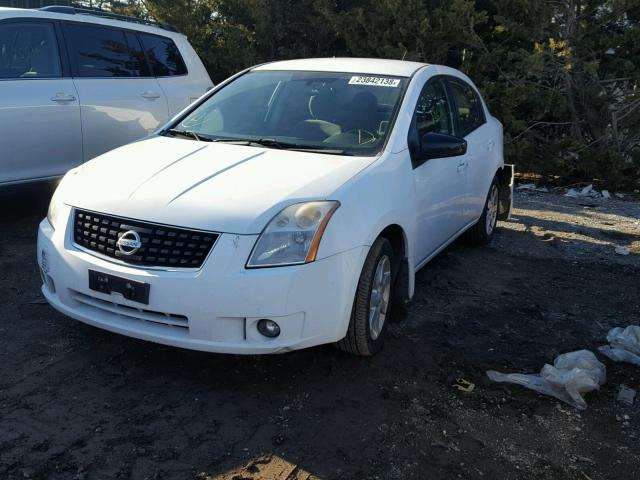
562 76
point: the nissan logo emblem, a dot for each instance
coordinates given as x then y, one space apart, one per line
129 243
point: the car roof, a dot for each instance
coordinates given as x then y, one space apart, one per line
84 18
370 66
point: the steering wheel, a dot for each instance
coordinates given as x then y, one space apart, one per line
364 136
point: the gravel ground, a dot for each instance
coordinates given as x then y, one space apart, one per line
80 403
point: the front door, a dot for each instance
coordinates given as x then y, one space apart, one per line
40 134
440 183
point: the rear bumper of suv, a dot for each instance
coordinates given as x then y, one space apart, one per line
215 308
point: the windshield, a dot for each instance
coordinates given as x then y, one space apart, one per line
332 112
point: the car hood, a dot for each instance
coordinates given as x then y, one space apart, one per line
209 186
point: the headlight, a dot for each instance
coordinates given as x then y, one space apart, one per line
292 237
54 209
55 205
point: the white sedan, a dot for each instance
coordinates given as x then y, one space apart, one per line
289 207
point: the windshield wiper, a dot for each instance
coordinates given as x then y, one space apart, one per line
265 142
328 151
189 134
272 143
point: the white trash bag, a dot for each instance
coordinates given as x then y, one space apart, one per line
624 344
571 376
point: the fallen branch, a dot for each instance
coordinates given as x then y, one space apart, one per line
535 125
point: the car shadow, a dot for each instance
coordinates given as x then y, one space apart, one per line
604 234
25 201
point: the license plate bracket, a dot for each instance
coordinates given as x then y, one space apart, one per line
129 289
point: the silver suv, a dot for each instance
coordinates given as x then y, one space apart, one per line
75 83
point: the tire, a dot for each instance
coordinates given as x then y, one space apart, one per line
482 232
365 335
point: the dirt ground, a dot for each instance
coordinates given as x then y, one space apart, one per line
80 403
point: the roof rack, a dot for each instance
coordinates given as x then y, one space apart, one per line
105 14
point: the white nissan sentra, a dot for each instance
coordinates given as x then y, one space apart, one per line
289 207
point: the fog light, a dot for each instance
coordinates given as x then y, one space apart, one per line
48 282
268 328
44 261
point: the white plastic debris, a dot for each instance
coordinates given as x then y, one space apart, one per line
626 395
586 190
532 187
571 376
624 344
622 251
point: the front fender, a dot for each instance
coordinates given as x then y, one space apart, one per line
381 195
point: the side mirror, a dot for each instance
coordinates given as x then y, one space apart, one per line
440 145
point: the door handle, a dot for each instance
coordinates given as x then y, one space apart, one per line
462 165
149 95
490 145
61 97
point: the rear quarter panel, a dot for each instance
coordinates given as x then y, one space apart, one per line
486 161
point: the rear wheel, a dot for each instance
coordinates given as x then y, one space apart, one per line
371 306
482 232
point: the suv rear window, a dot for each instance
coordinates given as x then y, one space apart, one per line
29 50
163 55
105 52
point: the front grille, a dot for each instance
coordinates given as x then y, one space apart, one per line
161 246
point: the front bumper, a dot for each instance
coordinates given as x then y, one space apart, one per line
215 308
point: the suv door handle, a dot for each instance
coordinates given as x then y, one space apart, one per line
462 165
149 95
61 97
490 145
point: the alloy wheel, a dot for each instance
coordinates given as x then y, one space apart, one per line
492 210
379 299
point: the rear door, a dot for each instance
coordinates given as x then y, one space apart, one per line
40 134
119 99
471 124
181 87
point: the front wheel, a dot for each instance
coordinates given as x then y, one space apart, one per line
482 232
370 313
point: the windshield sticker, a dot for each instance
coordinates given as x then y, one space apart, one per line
375 81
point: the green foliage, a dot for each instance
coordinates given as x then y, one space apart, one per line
562 76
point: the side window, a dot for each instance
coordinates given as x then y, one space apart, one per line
468 105
138 60
163 55
104 52
29 50
433 112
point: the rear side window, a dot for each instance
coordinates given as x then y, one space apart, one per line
468 106
29 50
163 55
105 52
